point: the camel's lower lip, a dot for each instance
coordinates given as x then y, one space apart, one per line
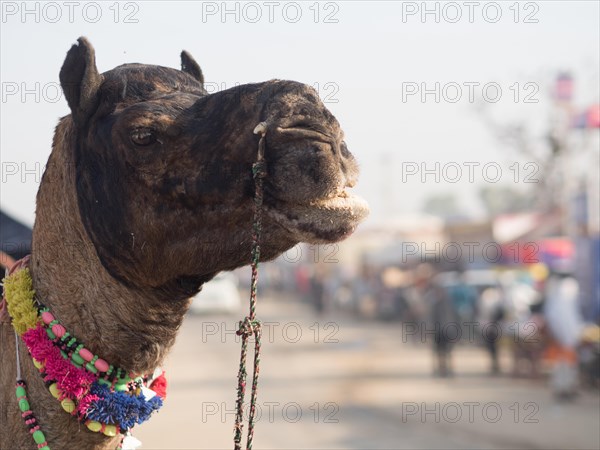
344 200
321 221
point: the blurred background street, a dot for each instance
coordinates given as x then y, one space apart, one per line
333 381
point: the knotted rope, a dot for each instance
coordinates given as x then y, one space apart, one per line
250 326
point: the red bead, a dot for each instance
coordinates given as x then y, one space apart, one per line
58 330
101 365
47 317
86 354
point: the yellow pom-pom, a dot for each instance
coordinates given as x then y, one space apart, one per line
18 289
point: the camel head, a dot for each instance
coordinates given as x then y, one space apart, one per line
163 173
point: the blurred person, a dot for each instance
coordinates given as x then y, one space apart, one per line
443 316
367 287
565 326
490 315
438 306
418 306
524 319
302 279
530 338
317 290
464 299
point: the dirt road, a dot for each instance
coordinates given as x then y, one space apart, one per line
331 382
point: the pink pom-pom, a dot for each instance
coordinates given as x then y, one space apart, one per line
85 402
73 382
47 317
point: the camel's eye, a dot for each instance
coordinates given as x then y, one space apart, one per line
143 136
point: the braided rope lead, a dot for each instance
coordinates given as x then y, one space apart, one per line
250 325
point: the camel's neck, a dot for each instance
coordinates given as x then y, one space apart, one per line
126 326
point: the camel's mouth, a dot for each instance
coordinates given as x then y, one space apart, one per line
320 221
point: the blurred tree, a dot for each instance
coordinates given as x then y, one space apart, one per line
442 205
505 200
549 154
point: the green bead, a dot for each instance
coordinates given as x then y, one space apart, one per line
23 405
120 387
89 366
39 437
104 382
125 379
64 355
50 334
77 359
45 447
20 391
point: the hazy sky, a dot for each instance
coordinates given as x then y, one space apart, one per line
367 58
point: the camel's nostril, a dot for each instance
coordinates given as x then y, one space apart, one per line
344 150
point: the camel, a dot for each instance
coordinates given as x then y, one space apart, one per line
147 194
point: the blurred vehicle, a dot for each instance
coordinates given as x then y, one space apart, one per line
478 279
377 294
465 289
219 295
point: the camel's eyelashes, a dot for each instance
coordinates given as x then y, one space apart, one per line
143 136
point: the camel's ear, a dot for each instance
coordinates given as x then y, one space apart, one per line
190 66
80 79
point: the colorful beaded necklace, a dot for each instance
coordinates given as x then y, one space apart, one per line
104 398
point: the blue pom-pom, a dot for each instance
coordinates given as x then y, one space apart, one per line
121 408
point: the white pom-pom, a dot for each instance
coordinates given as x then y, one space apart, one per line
130 443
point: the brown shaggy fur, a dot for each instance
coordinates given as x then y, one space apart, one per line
148 194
